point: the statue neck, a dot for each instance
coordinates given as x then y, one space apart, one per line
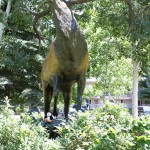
64 19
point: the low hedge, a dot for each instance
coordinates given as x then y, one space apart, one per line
107 128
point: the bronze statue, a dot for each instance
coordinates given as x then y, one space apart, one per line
67 60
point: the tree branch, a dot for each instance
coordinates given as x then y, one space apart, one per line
37 16
73 2
130 13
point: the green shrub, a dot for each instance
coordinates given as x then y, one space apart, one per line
140 131
110 128
17 110
16 135
24 134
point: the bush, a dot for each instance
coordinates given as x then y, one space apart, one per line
17 110
24 134
110 128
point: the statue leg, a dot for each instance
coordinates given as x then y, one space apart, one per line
67 97
56 83
80 89
47 92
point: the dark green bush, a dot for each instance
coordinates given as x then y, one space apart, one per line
108 128
24 134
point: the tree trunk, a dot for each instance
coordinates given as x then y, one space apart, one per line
2 25
135 89
105 83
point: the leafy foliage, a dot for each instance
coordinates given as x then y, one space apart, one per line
23 133
21 64
110 127
21 57
144 84
105 25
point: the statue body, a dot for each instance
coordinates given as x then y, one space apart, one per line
67 60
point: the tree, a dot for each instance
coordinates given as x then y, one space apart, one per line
20 55
109 52
144 86
5 12
130 22
139 31
114 30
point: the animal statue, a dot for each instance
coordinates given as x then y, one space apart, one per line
67 60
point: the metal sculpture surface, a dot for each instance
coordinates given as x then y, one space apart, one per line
67 60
